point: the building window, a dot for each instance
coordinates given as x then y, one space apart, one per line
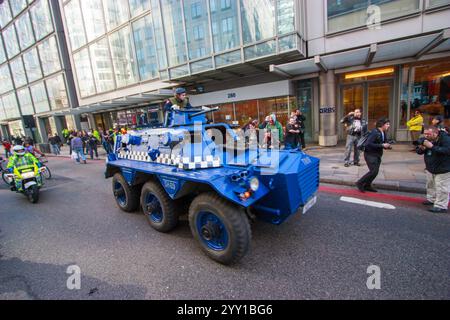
26 106
93 19
18 72
32 65
348 14
225 27
437 3
258 21
116 12
5 79
5 14
102 66
48 52
2 52
24 31
123 57
75 24
40 97
145 48
425 87
84 73
138 6
9 36
196 10
42 19
225 4
57 93
17 6
11 106
198 33
285 16
175 36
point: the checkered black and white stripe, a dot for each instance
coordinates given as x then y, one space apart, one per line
199 163
134 155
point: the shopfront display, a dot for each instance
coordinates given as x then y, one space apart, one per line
425 87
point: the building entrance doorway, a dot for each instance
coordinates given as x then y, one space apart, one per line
374 98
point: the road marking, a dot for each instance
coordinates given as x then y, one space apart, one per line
368 203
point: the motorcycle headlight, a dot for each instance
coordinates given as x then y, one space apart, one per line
254 184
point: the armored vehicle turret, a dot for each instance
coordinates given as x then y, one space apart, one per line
222 178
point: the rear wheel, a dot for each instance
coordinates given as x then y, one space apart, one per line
221 228
158 207
127 197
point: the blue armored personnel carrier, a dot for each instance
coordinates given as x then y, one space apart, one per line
222 179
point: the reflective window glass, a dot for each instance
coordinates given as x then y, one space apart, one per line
17 6
84 73
2 52
24 31
285 16
116 12
159 36
258 20
173 26
348 14
12 46
437 3
102 66
5 14
5 79
18 72
145 48
93 18
48 51
32 66
197 28
57 93
75 24
42 19
138 6
10 106
125 66
2 111
225 30
40 97
26 106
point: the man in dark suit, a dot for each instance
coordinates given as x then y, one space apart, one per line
373 152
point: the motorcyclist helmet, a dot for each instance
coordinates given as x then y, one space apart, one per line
19 150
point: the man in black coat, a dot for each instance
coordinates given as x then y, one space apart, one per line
301 121
373 152
436 151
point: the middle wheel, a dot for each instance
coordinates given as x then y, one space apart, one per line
158 207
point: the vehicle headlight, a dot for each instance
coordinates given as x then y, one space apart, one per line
254 184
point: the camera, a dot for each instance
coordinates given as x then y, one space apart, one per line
419 142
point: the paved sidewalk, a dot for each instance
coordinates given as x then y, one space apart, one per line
401 169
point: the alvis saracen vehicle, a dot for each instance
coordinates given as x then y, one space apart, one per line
208 171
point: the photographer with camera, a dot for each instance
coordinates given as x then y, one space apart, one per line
373 152
436 150
356 126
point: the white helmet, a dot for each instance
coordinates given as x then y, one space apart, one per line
19 150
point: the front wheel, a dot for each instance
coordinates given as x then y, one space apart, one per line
221 228
33 194
127 197
47 173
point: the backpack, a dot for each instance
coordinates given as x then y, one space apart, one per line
361 145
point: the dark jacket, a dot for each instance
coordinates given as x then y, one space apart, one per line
351 129
437 159
301 121
374 143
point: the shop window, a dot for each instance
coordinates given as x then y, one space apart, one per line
246 111
277 106
426 87
225 114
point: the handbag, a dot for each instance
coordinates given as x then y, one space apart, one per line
74 155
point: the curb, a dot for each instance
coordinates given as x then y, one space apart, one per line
384 186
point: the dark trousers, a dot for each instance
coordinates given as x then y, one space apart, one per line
302 140
373 162
92 149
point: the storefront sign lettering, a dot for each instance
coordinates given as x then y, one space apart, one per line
231 95
327 110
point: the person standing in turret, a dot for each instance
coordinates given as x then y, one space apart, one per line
179 101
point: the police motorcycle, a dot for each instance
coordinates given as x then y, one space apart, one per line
26 179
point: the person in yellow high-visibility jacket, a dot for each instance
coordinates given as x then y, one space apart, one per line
415 125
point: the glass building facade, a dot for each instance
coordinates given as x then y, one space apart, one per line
32 77
117 44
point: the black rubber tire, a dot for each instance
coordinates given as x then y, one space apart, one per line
131 194
47 173
33 194
4 178
170 215
235 221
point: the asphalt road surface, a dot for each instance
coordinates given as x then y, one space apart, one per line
324 254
